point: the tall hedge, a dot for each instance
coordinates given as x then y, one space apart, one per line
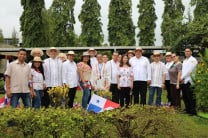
120 28
146 22
90 19
31 23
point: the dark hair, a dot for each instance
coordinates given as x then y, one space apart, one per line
22 49
88 63
121 63
189 49
39 69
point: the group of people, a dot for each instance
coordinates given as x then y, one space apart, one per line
126 76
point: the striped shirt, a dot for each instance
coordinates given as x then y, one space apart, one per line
157 72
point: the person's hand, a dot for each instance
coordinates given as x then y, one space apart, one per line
32 94
118 87
163 86
148 82
177 86
8 93
44 86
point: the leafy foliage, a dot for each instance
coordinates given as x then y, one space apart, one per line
32 24
146 22
201 79
172 26
1 36
89 17
138 121
60 22
196 34
121 29
201 8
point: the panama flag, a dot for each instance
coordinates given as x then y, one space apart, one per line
2 102
99 104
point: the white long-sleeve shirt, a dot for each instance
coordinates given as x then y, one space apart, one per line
112 67
93 61
100 77
141 68
53 72
70 74
188 66
158 70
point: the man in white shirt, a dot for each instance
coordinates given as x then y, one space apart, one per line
168 64
70 76
142 76
112 67
53 73
188 68
93 59
158 72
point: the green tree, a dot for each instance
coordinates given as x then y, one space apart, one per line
1 37
121 29
146 22
14 37
31 23
61 23
172 26
89 17
201 8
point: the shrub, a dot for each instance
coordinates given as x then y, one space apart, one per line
201 79
138 121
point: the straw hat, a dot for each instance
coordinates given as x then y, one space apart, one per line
130 52
36 50
52 48
85 54
92 49
139 49
156 53
63 55
70 53
37 59
168 54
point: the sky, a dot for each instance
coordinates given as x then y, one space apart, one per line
11 10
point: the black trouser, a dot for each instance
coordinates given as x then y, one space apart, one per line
71 95
125 94
167 86
175 94
140 88
189 98
115 93
45 100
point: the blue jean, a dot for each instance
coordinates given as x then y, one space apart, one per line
37 99
158 96
85 96
25 99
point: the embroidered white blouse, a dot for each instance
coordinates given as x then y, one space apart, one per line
37 79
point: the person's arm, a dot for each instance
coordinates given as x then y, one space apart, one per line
64 74
118 79
8 87
148 73
164 76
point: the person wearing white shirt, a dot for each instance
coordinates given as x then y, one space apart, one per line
158 72
142 76
93 59
37 81
53 73
70 76
112 67
100 75
168 64
188 68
